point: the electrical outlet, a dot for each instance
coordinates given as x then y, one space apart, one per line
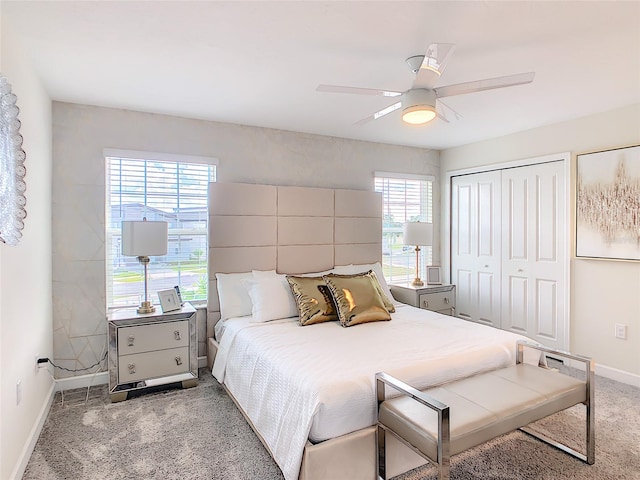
621 331
18 392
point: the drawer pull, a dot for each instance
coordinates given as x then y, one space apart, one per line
178 360
177 335
132 368
446 300
425 304
130 341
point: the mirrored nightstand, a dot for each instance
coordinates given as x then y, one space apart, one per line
439 298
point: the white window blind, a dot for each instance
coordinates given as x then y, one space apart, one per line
171 191
405 199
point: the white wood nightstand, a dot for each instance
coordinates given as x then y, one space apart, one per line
152 349
439 298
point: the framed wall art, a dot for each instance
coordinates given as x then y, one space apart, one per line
12 169
608 204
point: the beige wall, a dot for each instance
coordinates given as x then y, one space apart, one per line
602 292
25 274
245 154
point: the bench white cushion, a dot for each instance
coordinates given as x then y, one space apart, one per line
483 406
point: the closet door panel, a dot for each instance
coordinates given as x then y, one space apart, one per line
475 246
515 318
488 308
547 310
516 229
487 197
547 218
465 305
534 199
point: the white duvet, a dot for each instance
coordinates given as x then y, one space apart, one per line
317 382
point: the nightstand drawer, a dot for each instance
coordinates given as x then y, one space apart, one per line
153 336
161 363
437 301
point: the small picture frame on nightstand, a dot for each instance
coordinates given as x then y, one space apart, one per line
169 300
434 276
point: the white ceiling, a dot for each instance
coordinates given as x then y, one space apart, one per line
259 63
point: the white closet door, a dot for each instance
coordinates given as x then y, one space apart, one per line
533 255
476 246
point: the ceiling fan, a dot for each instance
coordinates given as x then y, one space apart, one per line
419 102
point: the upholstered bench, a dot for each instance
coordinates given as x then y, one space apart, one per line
448 419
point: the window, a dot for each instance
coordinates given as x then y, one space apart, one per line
171 191
405 198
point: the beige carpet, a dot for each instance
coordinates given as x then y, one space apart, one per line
199 434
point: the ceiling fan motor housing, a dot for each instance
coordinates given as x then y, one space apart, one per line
420 96
419 106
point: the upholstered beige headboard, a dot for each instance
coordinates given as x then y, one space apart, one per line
289 229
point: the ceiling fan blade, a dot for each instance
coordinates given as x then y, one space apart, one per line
488 84
380 113
357 90
442 117
447 107
433 64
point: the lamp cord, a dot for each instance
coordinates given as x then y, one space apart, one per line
75 369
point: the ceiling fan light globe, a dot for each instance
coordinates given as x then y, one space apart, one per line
418 114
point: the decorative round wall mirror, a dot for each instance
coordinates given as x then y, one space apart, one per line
12 170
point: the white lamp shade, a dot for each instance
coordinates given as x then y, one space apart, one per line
144 239
418 233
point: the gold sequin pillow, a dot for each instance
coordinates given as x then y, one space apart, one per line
313 299
376 284
356 298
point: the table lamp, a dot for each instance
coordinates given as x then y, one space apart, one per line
418 234
143 239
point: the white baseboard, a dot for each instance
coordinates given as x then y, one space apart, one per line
610 373
34 434
202 362
82 381
618 375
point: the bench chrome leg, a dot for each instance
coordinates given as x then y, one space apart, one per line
589 403
381 441
590 457
553 443
591 413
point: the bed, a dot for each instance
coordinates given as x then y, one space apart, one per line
308 391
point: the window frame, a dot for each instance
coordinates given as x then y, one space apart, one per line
111 253
426 214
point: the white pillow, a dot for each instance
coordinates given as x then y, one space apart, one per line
376 267
316 274
234 298
271 298
264 273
